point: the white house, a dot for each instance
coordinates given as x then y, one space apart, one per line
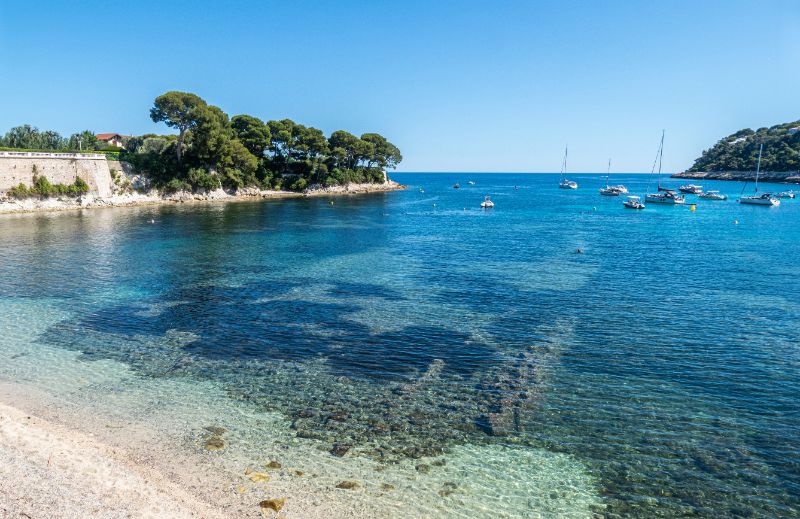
112 139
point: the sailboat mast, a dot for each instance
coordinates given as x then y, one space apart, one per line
660 156
758 167
608 171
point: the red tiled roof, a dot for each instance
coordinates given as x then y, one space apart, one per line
107 136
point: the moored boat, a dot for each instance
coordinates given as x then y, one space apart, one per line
713 195
785 194
566 183
692 189
663 195
611 190
668 197
765 199
487 202
456 186
762 199
633 202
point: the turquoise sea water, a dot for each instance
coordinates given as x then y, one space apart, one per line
659 367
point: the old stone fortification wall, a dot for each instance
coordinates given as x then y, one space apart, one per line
59 168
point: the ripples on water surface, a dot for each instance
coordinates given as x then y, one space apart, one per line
662 362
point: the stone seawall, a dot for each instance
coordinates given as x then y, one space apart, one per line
59 168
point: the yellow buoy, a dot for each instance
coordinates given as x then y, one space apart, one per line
691 207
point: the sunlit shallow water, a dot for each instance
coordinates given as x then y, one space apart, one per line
472 359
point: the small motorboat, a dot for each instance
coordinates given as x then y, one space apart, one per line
456 186
785 194
633 202
665 196
609 191
470 182
487 202
763 199
620 188
713 195
691 189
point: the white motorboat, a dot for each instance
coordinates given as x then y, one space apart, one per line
756 199
691 189
664 195
566 183
487 202
456 185
633 202
620 189
470 182
713 195
785 194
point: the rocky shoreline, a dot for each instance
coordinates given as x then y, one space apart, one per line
782 177
153 197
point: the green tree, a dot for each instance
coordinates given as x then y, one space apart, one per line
253 133
85 140
179 110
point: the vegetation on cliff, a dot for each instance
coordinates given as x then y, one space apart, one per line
212 150
42 188
739 152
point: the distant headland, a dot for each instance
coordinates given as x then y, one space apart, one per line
210 157
735 156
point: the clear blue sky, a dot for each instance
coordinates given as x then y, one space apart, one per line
458 86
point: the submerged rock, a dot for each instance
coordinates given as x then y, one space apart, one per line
215 430
339 449
272 504
422 468
448 488
348 485
387 487
215 443
273 465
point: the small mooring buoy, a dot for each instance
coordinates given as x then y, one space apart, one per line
692 207
578 251
736 222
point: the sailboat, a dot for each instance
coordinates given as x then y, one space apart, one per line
764 198
565 183
664 195
610 190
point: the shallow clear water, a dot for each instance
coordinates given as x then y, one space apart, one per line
655 374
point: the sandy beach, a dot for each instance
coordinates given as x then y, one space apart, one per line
48 470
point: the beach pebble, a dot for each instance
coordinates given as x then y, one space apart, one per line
259 477
272 504
347 485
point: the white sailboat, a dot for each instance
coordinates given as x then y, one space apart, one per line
664 195
565 183
608 190
764 198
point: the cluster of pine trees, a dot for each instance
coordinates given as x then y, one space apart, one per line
212 150
739 152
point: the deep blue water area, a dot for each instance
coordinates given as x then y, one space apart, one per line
660 348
